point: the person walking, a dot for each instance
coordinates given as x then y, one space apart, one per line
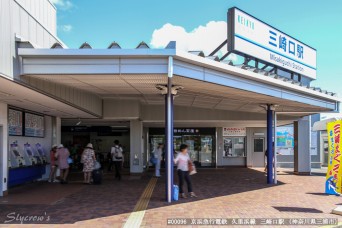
266 157
157 153
88 160
110 161
117 157
53 164
183 162
63 155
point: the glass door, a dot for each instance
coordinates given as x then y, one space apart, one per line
206 152
193 146
201 149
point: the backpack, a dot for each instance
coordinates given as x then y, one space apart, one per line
117 153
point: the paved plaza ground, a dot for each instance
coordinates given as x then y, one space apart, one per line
140 200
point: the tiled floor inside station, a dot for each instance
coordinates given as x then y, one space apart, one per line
222 193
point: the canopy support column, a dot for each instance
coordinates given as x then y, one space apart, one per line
169 133
269 144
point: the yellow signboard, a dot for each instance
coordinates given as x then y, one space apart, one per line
333 179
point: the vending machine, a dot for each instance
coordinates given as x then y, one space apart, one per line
31 157
41 153
17 159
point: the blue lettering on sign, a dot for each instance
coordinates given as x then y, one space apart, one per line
292 47
282 42
246 22
300 51
285 44
274 51
273 37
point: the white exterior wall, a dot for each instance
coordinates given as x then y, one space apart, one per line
136 147
302 137
33 21
3 149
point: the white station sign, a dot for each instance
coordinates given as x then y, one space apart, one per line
250 36
234 131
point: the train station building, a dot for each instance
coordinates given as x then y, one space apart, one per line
224 112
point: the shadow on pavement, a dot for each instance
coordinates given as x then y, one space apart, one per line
298 209
317 193
77 202
112 197
211 183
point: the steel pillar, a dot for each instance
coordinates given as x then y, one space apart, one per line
169 133
269 144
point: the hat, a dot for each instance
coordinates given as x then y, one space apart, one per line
60 146
89 145
54 146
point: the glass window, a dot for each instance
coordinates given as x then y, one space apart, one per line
234 147
259 145
206 153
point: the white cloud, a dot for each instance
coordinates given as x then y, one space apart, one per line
233 57
63 4
203 38
66 28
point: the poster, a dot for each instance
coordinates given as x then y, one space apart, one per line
34 125
285 140
227 147
15 122
285 137
333 178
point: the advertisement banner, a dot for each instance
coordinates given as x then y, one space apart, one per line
333 178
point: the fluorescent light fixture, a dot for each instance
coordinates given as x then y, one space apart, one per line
79 122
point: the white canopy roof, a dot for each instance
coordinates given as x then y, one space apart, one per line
322 125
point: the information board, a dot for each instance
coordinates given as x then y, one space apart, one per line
15 122
34 125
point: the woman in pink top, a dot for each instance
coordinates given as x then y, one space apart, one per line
63 155
53 169
182 161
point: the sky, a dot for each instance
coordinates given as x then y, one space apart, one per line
201 25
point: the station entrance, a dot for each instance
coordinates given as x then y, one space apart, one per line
75 138
201 143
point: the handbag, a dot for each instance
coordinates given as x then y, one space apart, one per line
190 166
70 160
97 165
175 192
153 160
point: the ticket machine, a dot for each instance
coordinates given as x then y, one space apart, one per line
31 156
41 153
17 158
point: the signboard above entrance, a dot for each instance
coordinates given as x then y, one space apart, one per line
234 131
250 36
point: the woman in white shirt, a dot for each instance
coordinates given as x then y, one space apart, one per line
182 161
158 155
